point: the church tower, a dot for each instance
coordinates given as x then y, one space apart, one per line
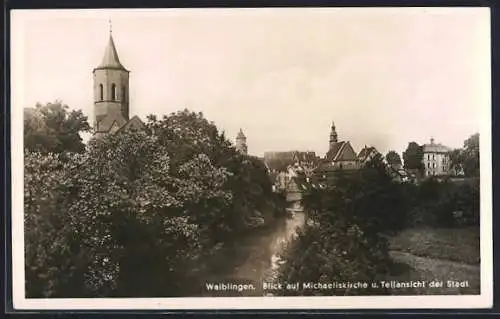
241 142
111 91
333 136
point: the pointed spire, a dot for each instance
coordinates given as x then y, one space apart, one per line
240 135
110 59
333 135
241 142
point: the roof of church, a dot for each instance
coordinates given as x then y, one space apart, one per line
240 135
335 150
107 122
110 59
134 123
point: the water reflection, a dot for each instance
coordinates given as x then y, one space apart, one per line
283 237
255 259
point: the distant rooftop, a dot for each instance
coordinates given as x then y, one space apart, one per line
432 147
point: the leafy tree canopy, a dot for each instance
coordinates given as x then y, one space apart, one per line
413 156
466 160
342 241
471 155
142 210
53 128
393 158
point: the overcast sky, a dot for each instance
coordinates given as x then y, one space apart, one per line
384 76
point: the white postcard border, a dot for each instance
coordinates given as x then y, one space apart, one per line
484 300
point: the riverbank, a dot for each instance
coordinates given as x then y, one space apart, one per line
416 255
450 256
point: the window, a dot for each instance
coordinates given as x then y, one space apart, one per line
101 92
433 157
428 156
113 92
428 165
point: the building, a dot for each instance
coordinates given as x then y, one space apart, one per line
111 95
340 155
341 159
284 166
436 159
367 154
281 161
401 175
241 142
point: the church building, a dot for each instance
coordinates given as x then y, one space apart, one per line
340 155
111 95
241 142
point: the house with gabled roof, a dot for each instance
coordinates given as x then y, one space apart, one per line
367 154
298 185
283 166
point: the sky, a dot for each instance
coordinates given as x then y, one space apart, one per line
385 76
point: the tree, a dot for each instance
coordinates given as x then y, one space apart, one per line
52 128
471 155
466 159
342 241
140 213
457 161
413 157
187 133
115 213
393 158
142 225
50 263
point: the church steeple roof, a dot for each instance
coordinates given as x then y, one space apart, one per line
333 135
240 135
110 59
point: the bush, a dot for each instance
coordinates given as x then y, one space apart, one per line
446 204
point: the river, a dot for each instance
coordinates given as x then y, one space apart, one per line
255 259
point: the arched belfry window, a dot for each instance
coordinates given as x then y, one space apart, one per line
101 92
124 93
113 92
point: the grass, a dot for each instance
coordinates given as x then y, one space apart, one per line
454 244
436 254
408 267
